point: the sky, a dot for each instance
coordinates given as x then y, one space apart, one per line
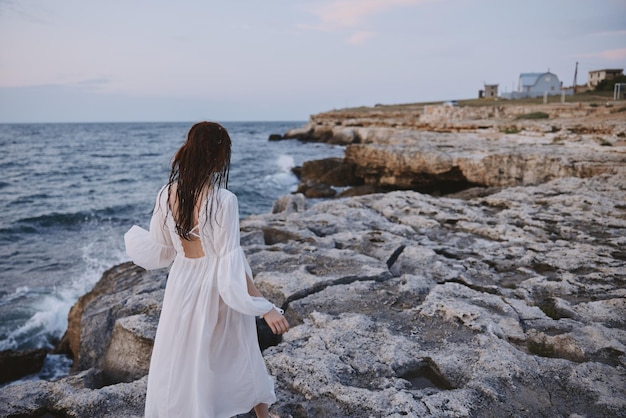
284 60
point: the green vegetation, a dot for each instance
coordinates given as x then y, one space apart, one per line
540 348
534 115
603 142
609 85
511 130
588 98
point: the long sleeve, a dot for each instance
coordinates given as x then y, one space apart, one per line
232 263
152 249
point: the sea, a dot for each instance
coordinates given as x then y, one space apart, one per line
69 192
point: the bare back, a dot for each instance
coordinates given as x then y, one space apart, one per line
193 246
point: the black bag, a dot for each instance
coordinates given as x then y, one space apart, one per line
265 335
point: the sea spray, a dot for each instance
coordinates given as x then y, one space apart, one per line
283 179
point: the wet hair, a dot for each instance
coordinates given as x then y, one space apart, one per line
202 163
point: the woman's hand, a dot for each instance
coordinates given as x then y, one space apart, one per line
276 321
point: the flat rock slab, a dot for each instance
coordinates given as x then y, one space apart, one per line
511 302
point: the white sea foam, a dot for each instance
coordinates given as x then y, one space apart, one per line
21 290
49 320
285 162
284 178
18 293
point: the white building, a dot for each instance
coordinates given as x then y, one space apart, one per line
598 75
536 85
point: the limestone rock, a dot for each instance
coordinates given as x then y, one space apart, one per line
127 357
69 398
509 302
290 203
17 364
330 171
316 190
444 149
451 162
298 133
123 291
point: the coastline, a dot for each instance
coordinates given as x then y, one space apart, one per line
507 294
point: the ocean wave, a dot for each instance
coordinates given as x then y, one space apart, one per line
280 181
49 307
58 219
55 219
16 230
285 162
284 179
20 292
27 200
44 326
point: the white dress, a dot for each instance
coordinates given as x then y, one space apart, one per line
206 360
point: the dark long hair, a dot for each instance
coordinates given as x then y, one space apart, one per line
202 163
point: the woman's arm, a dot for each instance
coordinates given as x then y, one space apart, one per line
274 319
252 290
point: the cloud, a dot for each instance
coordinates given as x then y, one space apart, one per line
620 32
94 82
361 36
24 11
345 14
92 85
610 54
614 54
352 14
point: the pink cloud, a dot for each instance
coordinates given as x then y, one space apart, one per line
343 14
609 54
359 37
613 54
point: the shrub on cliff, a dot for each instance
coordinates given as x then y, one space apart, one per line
609 85
534 115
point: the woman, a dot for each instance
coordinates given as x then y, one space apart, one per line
206 361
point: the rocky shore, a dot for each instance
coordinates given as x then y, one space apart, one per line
442 149
488 280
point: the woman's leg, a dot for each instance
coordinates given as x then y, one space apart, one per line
262 410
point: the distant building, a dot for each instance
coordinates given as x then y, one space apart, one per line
491 90
537 85
598 75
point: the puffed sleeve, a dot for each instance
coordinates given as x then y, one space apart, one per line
232 263
151 249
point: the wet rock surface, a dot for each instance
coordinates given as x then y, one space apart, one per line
17 364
